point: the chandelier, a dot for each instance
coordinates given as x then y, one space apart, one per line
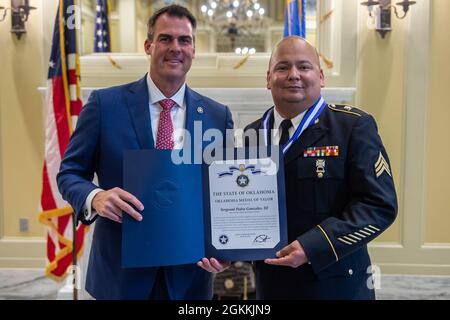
235 18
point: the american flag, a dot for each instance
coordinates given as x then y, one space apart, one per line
102 39
63 105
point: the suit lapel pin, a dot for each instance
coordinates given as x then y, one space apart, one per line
317 121
200 110
320 168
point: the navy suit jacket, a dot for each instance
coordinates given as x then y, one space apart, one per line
113 120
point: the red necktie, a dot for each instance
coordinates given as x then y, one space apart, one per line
164 138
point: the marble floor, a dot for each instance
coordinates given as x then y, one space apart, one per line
27 284
31 284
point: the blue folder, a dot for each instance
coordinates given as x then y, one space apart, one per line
176 222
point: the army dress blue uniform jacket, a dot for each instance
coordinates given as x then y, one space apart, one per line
336 215
113 120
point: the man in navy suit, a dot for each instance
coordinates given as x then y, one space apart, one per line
145 114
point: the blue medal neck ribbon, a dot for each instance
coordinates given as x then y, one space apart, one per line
308 119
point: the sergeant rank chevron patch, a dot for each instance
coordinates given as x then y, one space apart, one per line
382 166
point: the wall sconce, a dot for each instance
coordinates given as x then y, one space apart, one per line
380 11
20 10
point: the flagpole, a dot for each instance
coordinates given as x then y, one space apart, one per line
63 62
74 256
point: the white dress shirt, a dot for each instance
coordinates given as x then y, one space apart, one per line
276 133
178 116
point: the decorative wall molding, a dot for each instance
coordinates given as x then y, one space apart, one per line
416 121
414 269
209 70
22 252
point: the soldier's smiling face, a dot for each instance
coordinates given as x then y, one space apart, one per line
294 76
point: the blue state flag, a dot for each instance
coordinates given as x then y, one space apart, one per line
102 34
295 18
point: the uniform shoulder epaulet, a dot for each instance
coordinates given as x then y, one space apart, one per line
347 109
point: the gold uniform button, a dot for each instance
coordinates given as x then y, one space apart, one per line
229 284
348 108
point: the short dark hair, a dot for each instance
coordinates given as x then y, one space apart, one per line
173 10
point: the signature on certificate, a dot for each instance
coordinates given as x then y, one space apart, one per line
261 238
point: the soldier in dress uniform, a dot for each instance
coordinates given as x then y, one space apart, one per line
340 194
339 189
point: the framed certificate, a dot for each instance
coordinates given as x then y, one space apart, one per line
231 209
244 207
